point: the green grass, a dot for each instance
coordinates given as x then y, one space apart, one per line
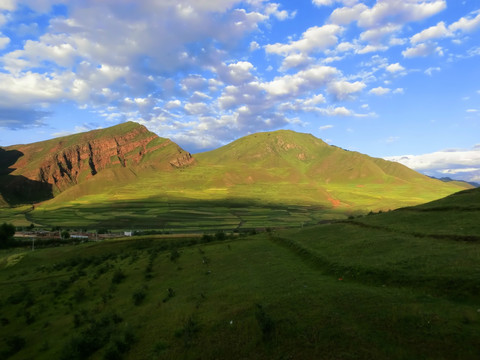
344 290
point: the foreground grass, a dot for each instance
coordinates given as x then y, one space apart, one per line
336 291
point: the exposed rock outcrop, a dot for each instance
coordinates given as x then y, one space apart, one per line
67 161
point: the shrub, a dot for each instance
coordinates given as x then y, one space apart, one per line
267 325
14 343
118 276
189 331
174 255
138 296
6 235
220 236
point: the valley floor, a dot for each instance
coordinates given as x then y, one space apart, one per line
334 291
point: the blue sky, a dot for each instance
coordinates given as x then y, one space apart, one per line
390 78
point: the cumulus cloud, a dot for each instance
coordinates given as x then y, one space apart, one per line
322 2
394 68
467 24
419 50
431 70
342 89
315 39
461 163
4 41
433 32
379 91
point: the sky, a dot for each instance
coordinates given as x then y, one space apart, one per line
398 79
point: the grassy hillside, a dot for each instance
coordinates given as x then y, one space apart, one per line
265 179
356 289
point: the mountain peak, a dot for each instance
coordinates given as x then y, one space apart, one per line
69 160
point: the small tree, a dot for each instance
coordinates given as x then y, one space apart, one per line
6 234
65 234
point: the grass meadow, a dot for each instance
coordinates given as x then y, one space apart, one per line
344 290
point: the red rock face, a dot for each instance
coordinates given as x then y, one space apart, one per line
63 167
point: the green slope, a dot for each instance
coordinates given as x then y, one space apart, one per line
344 290
316 172
264 179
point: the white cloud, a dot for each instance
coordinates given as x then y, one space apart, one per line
398 12
466 24
472 110
304 80
196 108
394 68
173 104
419 50
463 162
433 32
322 2
314 39
8 5
431 70
296 61
345 15
376 34
236 73
379 91
273 9
399 91
343 89
325 127
254 46
372 48
4 41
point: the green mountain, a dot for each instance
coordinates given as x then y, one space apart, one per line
53 166
295 167
126 176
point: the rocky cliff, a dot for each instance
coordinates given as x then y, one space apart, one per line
70 160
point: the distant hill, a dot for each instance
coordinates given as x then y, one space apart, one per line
145 178
466 184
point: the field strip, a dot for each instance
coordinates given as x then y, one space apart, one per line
33 280
466 238
372 276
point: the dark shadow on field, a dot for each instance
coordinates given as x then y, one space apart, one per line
186 215
17 189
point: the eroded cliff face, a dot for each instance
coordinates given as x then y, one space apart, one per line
64 165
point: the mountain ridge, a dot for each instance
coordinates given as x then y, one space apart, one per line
70 160
127 164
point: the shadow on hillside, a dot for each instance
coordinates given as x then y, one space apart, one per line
17 189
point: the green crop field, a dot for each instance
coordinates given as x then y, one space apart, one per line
364 288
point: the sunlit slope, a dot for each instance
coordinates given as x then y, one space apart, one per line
317 172
54 166
456 216
271 170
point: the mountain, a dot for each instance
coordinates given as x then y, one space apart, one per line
319 173
465 184
53 166
126 175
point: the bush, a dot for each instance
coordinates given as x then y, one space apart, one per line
6 235
189 331
14 343
220 236
174 255
118 276
267 325
138 296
